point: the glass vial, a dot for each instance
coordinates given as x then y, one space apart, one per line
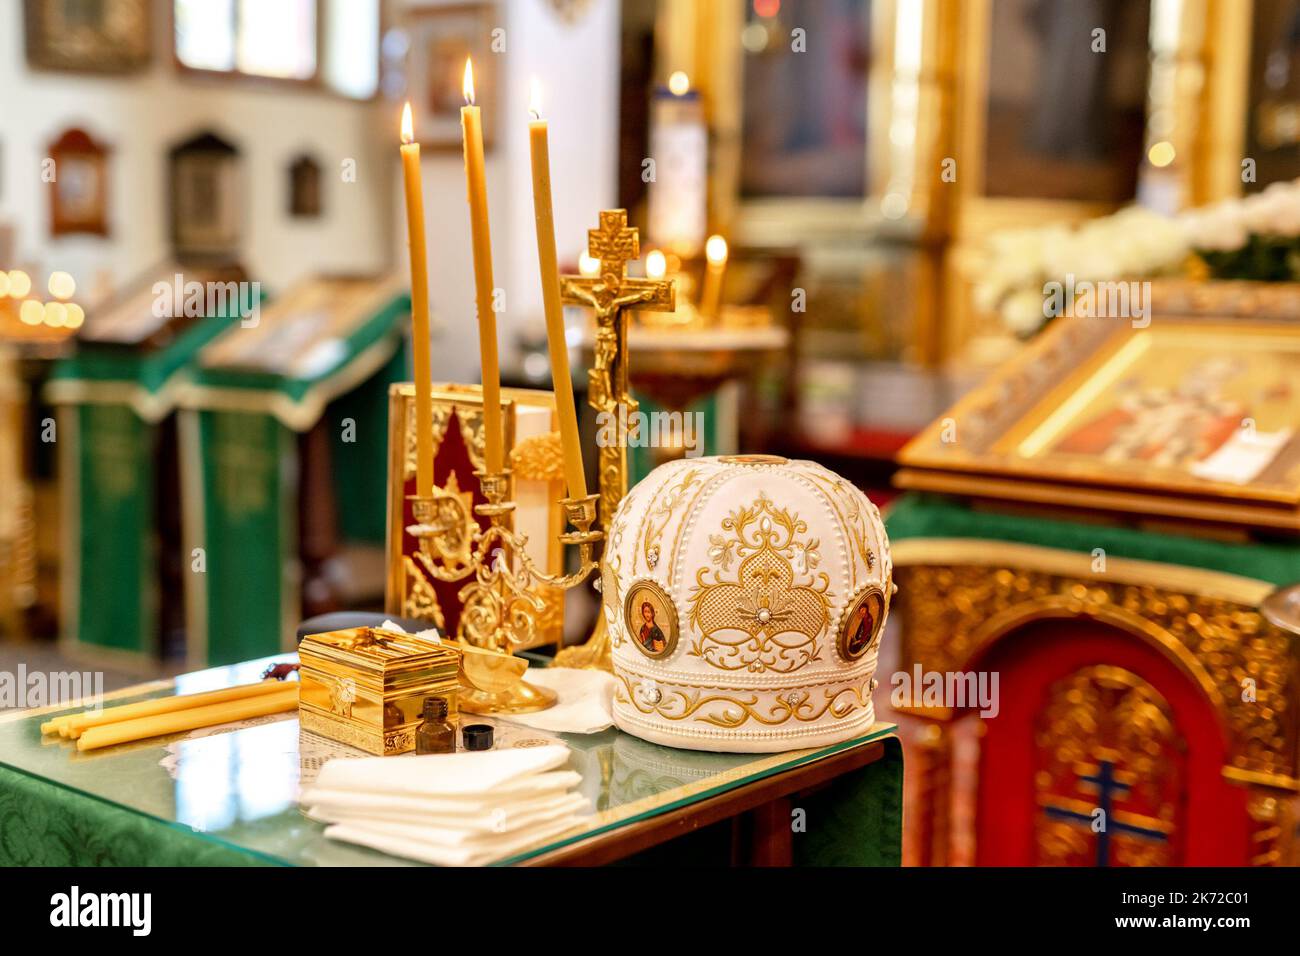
435 735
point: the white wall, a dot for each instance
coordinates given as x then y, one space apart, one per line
363 226
577 66
141 117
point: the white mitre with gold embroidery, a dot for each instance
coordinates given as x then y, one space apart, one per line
745 598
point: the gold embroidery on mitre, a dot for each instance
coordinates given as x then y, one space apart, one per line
651 545
723 710
769 616
611 570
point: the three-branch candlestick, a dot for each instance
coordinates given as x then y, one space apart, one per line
500 603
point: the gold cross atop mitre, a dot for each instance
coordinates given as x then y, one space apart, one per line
616 244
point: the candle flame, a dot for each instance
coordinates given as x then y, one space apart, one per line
656 264
679 84
467 85
716 250
535 98
408 127
588 264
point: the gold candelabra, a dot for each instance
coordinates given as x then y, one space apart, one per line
500 604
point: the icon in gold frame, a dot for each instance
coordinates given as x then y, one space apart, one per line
651 620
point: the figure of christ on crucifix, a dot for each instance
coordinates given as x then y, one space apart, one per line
610 295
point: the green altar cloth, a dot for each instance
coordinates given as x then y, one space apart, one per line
230 798
111 399
924 515
241 467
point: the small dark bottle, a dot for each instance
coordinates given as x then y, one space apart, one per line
435 735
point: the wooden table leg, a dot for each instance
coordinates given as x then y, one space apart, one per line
762 837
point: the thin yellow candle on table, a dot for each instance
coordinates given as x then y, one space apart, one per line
476 184
73 725
546 258
414 183
191 718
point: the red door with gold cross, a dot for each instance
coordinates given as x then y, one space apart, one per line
1105 752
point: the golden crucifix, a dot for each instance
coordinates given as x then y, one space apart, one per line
610 295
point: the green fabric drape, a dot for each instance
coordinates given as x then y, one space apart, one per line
43 824
918 515
249 532
242 481
114 398
360 457
117 599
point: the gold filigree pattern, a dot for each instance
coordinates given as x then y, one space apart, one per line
851 515
768 617
944 627
420 601
1103 713
611 573
658 517
723 710
441 417
471 431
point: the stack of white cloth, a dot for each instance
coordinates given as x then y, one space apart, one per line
461 809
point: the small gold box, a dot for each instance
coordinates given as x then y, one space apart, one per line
365 686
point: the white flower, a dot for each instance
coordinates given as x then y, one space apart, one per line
1024 312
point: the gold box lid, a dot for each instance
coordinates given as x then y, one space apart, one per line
373 651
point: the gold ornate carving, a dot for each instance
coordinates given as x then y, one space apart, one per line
722 710
952 613
610 295
468 418
419 600
1107 715
539 458
471 431
441 417
343 694
769 615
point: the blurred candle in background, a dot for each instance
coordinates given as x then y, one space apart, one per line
715 252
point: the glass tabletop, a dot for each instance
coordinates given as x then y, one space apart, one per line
239 786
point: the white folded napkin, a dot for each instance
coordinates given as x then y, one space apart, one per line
454 830
585 704
440 774
485 851
522 793
468 814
